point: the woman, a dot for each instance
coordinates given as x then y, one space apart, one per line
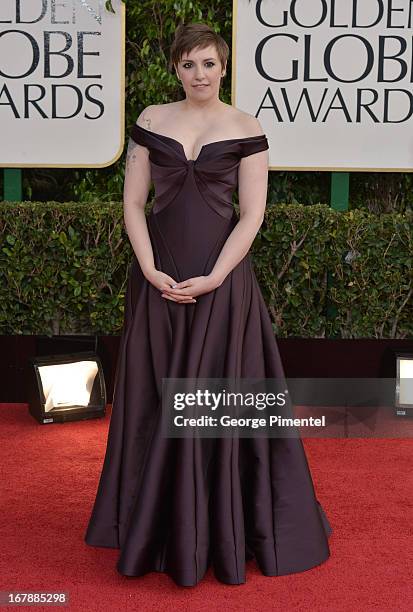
194 310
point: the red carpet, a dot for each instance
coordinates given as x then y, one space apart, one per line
49 476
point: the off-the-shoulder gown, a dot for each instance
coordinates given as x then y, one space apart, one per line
180 505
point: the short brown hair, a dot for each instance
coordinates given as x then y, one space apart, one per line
191 35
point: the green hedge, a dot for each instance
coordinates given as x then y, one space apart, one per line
64 269
309 259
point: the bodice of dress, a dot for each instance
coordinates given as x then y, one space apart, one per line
214 172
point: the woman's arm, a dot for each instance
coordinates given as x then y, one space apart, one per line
252 189
135 194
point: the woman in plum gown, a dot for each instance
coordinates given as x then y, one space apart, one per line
193 308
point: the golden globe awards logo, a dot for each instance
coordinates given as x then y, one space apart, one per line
329 80
384 57
55 56
61 74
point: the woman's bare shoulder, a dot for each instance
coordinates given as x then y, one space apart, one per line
248 124
153 114
241 122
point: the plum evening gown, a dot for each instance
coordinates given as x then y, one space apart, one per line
181 505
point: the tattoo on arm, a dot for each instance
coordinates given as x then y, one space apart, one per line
130 153
147 121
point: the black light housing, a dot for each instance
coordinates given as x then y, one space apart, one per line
68 387
404 383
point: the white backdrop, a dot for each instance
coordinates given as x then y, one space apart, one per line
61 83
329 80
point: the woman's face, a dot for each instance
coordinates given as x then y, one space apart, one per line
200 72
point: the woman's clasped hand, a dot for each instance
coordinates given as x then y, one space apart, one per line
184 292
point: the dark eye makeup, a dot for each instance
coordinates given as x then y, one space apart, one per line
190 64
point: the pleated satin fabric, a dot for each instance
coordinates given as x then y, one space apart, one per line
180 505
